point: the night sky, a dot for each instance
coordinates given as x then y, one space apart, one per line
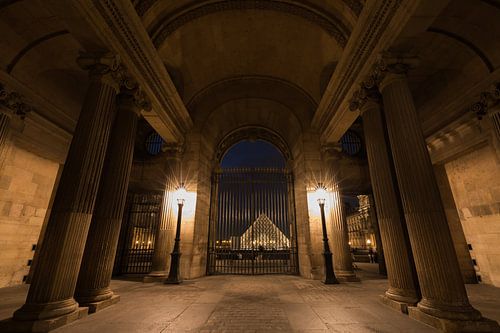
253 154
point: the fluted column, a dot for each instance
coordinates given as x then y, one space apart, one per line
53 285
372 215
342 260
339 232
165 233
403 290
444 298
93 289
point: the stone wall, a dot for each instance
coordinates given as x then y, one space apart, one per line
26 184
475 183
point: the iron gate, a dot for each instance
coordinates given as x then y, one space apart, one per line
252 223
135 254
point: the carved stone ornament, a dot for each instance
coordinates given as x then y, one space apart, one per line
13 102
99 63
129 86
488 99
368 91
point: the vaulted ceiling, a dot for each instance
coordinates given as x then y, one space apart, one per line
281 52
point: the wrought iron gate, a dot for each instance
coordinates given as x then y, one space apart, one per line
137 239
252 223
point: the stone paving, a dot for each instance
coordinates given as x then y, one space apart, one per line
265 303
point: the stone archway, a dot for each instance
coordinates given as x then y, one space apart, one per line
252 228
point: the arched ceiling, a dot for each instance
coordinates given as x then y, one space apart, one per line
38 50
459 49
208 42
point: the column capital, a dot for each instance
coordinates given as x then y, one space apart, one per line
332 151
173 150
393 67
13 103
487 100
366 96
100 66
130 91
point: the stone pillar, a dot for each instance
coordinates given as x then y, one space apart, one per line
339 231
165 233
92 289
50 302
444 302
457 233
372 215
342 260
403 290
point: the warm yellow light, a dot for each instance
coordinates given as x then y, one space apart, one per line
368 242
180 194
321 193
350 243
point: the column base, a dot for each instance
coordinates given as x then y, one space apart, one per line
98 306
172 281
347 277
159 276
396 305
450 325
42 325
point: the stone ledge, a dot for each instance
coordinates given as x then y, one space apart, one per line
98 306
398 306
446 325
45 325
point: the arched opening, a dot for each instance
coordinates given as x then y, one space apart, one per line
252 219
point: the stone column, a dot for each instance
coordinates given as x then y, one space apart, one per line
165 233
372 215
342 261
92 289
339 231
403 290
50 297
444 302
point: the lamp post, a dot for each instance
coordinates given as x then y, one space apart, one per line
174 273
327 254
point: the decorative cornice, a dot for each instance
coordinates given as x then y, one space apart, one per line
118 24
142 6
487 99
331 25
13 103
374 32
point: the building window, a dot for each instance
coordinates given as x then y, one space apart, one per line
154 143
351 143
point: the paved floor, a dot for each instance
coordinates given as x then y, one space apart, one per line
252 304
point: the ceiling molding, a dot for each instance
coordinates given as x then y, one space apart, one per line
330 24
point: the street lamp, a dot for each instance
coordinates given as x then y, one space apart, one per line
329 274
174 273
